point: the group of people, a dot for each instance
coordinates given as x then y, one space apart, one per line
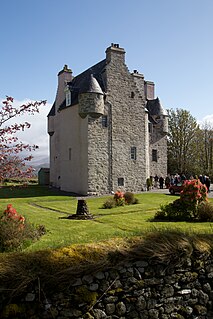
205 180
158 181
179 179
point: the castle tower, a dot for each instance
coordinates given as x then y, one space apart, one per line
107 131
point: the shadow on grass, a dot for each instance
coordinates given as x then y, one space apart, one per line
21 191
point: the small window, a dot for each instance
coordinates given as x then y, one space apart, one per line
104 121
150 126
133 153
132 95
68 98
70 154
120 181
154 156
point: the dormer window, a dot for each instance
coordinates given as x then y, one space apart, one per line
68 98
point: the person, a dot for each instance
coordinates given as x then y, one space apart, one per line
172 180
167 181
207 183
183 177
177 179
156 181
161 181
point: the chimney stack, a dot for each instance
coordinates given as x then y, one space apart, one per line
64 76
115 52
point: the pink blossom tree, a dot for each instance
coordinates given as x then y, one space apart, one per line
11 163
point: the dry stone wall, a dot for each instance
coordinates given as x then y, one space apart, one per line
133 289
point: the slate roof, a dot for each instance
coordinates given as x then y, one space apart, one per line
155 108
90 85
90 80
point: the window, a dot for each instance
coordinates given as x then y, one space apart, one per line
68 98
104 121
154 156
133 153
150 126
132 95
70 154
120 181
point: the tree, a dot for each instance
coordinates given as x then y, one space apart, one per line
11 163
207 134
183 130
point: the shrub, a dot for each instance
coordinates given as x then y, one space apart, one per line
119 198
205 212
193 193
120 202
174 211
130 198
109 203
15 232
186 207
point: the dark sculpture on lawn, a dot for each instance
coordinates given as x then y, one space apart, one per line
82 211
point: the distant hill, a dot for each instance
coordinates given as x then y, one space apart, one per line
42 165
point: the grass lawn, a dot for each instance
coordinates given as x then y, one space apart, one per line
40 205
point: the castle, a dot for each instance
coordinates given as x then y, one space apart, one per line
107 130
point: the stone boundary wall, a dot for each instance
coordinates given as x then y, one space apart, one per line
133 289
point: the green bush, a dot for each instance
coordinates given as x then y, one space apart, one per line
130 198
205 212
109 203
176 211
120 199
186 207
14 238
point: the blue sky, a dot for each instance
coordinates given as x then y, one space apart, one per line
170 42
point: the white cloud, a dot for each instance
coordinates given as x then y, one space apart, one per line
37 133
208 119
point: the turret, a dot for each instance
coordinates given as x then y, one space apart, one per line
91 98
158 113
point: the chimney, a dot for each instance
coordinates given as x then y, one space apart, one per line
64 76
149 88
114 52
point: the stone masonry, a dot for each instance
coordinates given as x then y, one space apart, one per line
137 289
121 126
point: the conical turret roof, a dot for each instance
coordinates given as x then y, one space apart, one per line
90 85
155 108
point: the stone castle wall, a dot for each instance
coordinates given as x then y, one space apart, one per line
98 157
108 164
158 141
128 125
